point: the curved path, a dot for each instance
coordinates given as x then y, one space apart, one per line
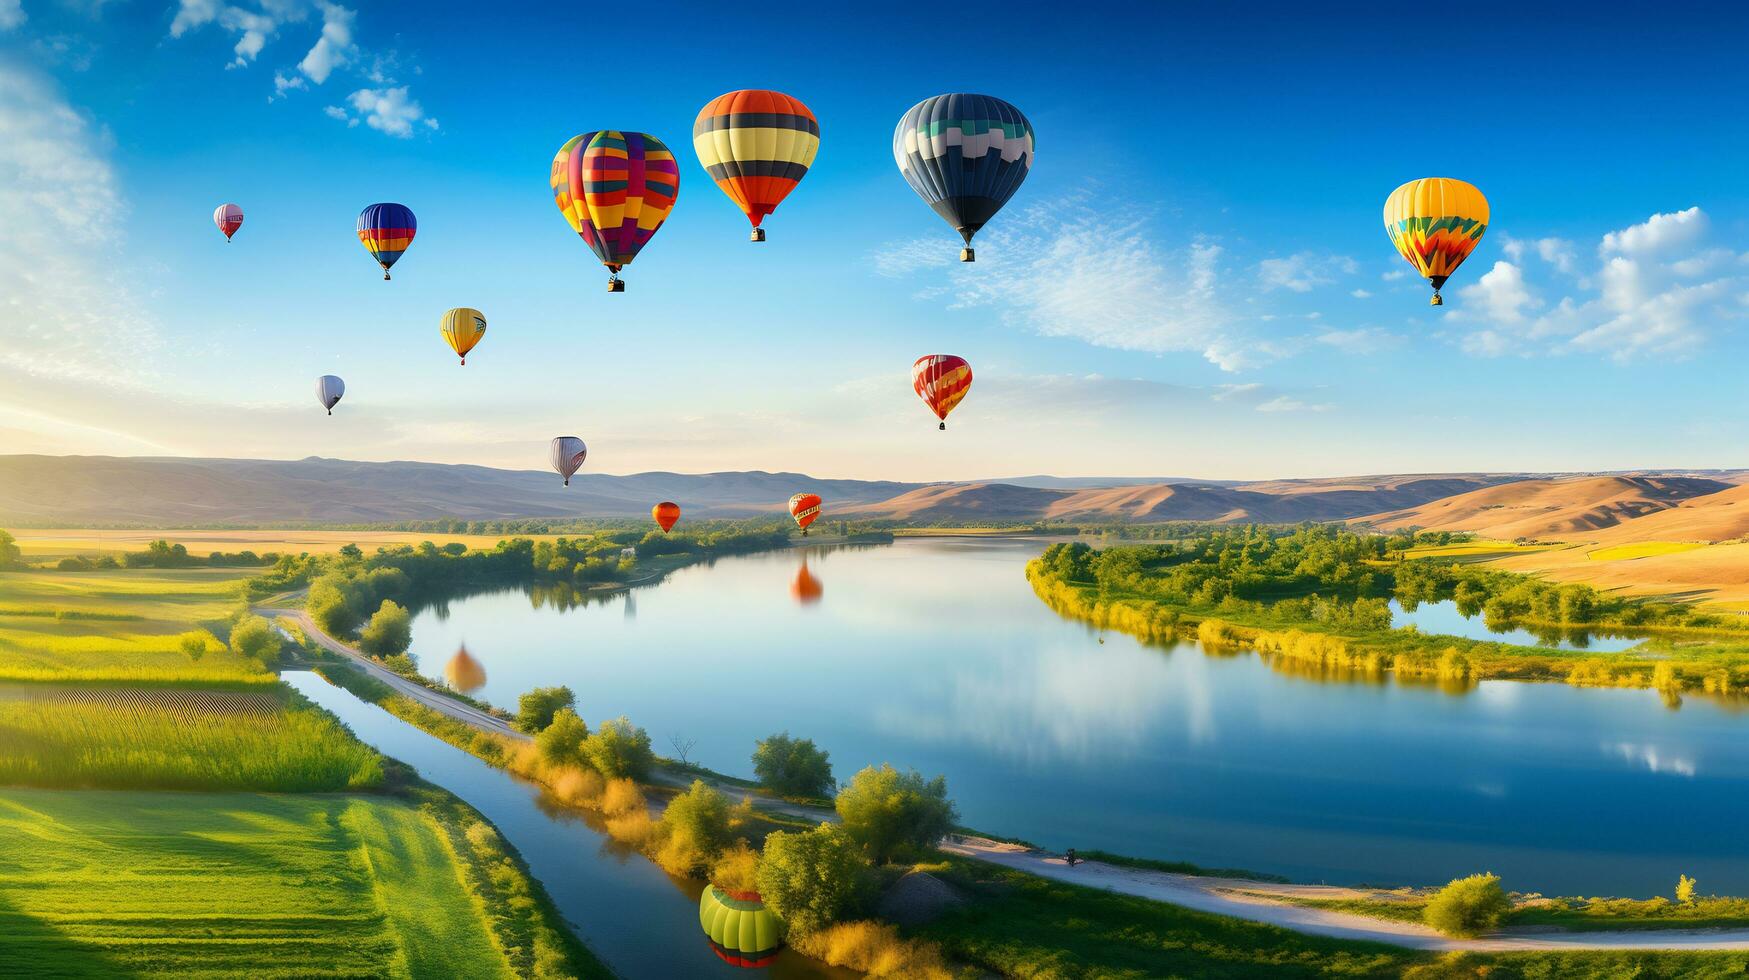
1250 900
1235 897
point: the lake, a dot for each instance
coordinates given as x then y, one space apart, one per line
1443 617
934 653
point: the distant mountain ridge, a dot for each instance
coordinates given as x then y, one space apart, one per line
1560 508
186 492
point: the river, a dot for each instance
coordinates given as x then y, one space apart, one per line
934 653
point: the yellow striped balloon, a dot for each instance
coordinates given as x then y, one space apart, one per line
463 327
1436 222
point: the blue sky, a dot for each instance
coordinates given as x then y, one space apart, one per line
1194 279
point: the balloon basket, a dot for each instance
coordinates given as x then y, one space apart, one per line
757 236
616 285
944 426
385 275
967 255
1437 300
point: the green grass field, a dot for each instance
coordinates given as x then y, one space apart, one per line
106 884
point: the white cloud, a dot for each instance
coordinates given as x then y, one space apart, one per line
68 317
389 110
1230 392
283 83
1657 285
1360 294
335 112
1283 403
1063 270
334 48
1302 271
11 14
1394 275
1363 340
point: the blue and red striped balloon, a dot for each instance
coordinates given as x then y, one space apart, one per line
386 230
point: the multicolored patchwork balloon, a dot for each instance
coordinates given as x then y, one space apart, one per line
1436 222
229 218
463 328
804 508
965 155
615 189
386 230
757 145
942 381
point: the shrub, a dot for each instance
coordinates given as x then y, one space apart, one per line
622 796
1684 889
792 766
813 878
620 748
696 828
1468 907
535 710
194 643
255 638
389 632
736 869
876 949
579 787
889 812
561 742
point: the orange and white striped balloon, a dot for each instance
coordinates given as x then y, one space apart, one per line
942 381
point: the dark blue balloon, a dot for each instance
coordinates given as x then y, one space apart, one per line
965 155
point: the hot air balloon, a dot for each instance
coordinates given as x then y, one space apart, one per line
965 155
741 929
757 145
615 189
806 588
804 507
568 454
386 230
229 218
328 391
464 673
1435 222
942 381
463 327
666 514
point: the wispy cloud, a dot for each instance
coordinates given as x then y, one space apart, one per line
1304 271
1656 286
69 319
1283 403
1064 270
387 110
11 15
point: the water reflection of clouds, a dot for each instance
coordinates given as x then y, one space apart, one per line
1652 758
1060 704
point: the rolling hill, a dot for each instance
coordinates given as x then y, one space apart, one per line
1714 517
1575 508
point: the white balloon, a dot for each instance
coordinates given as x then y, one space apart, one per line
568 454
328 391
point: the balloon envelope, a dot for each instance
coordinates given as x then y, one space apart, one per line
666 514
965 155
615 189
568 453
804 508
740 928
942 381
329 389
386 230
1436 222
463 327
757 145
229 217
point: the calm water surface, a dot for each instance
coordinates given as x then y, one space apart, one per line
934 653
1443 617
635 917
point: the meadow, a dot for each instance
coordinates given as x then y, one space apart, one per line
45 544
232 884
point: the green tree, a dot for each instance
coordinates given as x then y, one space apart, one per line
814 878
1685 889
352 552
389 632
10 555
535 710
561 741
256 638
1468 907
696 825
792 766
889 812
194 643
620 748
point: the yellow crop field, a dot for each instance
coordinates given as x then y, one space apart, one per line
41 543
1475 550
1643 549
